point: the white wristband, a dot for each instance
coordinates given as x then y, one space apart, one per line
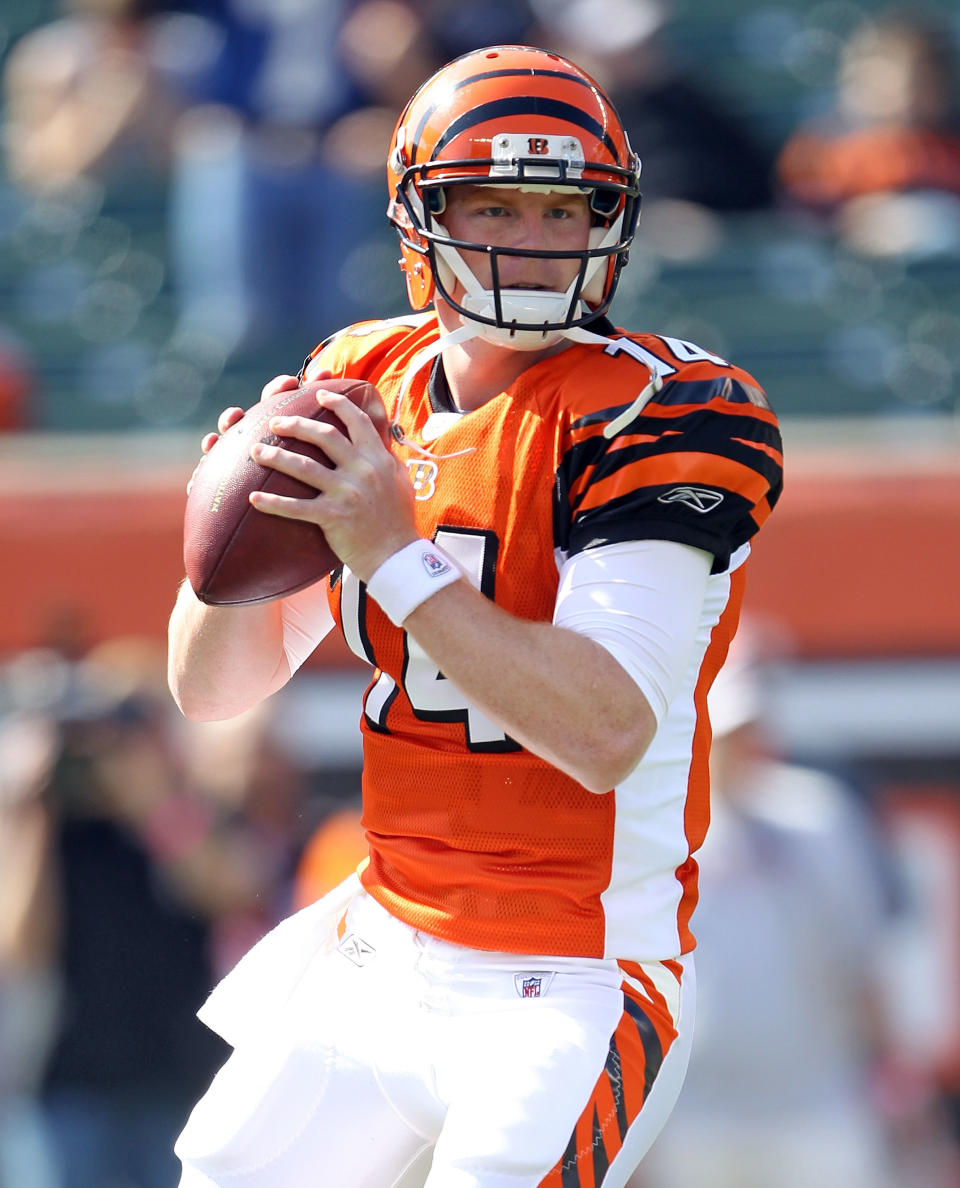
410 577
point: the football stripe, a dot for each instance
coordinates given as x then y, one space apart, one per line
499 109
676 457
569 1175
614 1074
678 397
764 447
513 72
652 425
634 1059
672 470
601 1163
473 79
702 391
654 418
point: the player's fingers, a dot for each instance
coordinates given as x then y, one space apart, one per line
228 417
208 442
360 429
285 506
339 448
279 383
291 463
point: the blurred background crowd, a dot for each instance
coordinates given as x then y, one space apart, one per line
191 196
165 162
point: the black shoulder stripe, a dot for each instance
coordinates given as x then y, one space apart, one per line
601 417
643 515
722 447
723 387
679 392
700 431
610 463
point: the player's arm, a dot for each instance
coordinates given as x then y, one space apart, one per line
559 692
586 697
223 660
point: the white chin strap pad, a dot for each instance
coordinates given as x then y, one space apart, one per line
595 281
523 305
517 305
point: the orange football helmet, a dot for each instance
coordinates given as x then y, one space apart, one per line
517 116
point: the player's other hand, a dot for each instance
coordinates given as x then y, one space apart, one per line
230 416
363 500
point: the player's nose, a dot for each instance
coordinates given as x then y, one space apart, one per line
531 229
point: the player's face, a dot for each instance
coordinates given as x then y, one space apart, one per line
506 217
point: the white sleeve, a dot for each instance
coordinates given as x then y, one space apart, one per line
642 601
306 620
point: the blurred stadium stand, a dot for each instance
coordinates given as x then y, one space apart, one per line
85 277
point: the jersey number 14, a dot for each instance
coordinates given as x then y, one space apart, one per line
431 696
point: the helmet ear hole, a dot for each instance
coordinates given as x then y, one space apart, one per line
436 200
605 202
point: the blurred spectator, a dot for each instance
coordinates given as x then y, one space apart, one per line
263 218
16 384
85 97
883 168
334 850
278 222
790 925
257 794
29 986
693 146
127 888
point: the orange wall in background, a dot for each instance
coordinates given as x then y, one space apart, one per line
862 557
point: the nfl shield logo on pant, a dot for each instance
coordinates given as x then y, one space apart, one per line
532 985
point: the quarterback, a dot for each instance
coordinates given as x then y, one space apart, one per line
545 571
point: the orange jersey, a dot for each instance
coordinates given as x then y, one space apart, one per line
473 838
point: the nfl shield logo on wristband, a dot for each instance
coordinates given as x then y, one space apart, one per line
434 564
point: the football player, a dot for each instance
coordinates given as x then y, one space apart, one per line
545 571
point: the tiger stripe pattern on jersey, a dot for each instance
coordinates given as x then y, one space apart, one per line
459 849
704 437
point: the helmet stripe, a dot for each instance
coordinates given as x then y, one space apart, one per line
527 105
527 73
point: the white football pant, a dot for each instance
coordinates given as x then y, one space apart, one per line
404 1061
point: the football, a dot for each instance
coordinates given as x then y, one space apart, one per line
235 554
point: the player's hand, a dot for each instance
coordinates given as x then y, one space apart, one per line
230 416
364 505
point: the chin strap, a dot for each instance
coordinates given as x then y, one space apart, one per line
619 423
